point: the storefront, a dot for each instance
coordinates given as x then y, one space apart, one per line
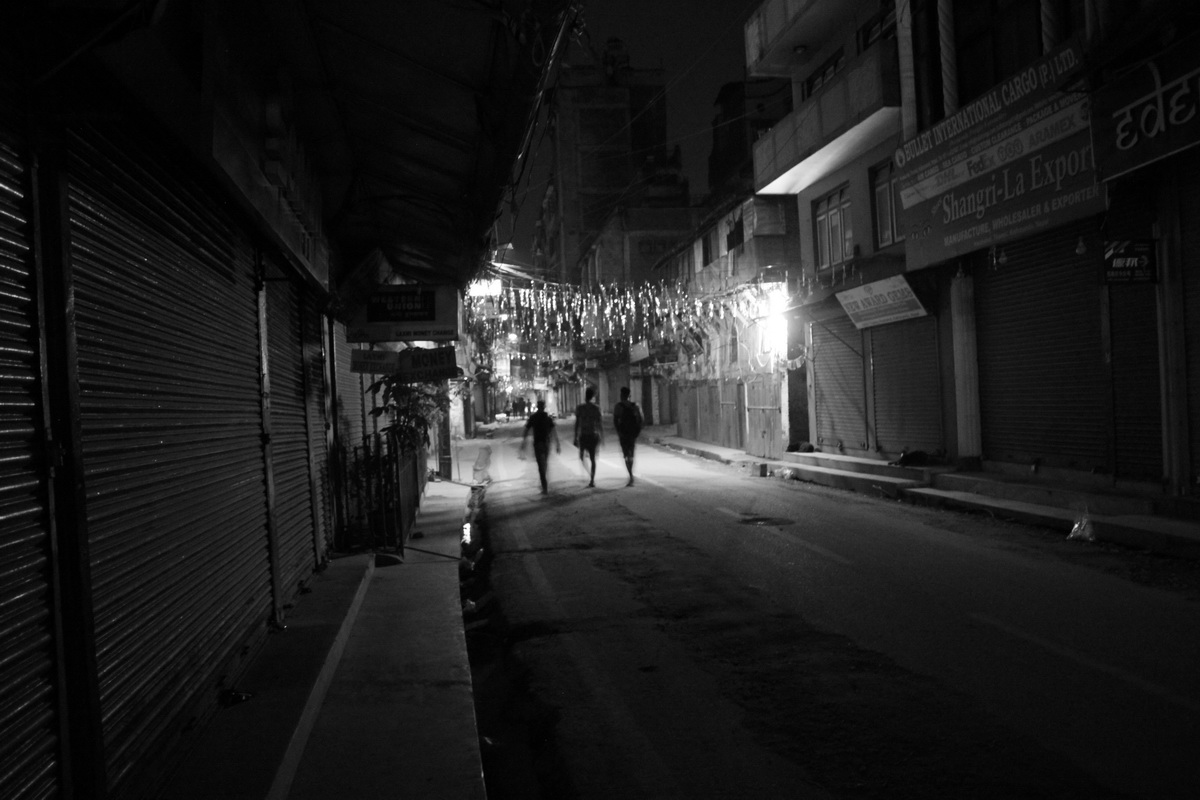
1059 361
1145 127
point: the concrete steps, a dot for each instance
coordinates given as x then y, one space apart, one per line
865 475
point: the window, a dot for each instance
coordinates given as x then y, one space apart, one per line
887 206
824 73
834 235
881 26
736 236
994 39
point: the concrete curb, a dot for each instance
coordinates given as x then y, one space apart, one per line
281 786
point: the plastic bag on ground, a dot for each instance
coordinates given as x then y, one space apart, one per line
1083 529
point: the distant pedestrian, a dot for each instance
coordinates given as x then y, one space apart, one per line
542 425
627 419
589 430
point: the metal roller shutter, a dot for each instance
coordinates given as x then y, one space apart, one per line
839 384
171 435
289 434
1136 391
906 379
317 394
1187 167
1133 340
1043 386
29 749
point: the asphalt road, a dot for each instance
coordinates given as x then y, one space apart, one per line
706 633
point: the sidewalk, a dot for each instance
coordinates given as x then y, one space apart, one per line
1157 524
367 692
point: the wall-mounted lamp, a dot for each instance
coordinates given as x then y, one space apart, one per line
1080 247
800 49
999 257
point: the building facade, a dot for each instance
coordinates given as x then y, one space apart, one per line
183 439
959 232
608 119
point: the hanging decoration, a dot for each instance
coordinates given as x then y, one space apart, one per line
564 318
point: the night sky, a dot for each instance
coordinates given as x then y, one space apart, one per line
699 45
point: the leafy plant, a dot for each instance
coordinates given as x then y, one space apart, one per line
410 409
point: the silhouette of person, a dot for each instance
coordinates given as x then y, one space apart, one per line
589 430
542 425
627 419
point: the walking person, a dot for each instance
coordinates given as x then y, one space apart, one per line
589 430
542 425
627 419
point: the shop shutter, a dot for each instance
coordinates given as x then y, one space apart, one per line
906 380
167 336
29 750
289 432
1136 390
1043 387
839 386
1133 339
764 416
318 419
1189 249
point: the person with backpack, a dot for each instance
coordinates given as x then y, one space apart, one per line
627 419
589 430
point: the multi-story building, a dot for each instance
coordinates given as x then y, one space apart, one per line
607 120
961 286
728 368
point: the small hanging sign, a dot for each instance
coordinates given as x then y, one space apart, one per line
1131 261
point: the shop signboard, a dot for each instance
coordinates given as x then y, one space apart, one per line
1016 161
427 365
411 312
638 351
1130 261
881 302
374 362
1149 113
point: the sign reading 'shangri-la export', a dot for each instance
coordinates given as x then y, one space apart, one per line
1013 162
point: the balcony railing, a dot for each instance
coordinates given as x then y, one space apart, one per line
847 106
743 263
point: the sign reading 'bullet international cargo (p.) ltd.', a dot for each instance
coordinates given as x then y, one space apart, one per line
1015 161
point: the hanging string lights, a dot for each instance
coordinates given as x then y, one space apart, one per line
662 314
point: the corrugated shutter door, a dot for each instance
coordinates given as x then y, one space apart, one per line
29 760
1188 166
289 434
839 385
1137 396
1043 388
171 432
907 385
318 398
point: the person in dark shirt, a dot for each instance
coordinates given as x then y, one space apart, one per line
589 430
542 425
627 419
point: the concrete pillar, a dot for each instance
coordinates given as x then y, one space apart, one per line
908 81
949 52
1050 26
966 370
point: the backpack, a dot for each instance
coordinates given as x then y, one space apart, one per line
629 420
